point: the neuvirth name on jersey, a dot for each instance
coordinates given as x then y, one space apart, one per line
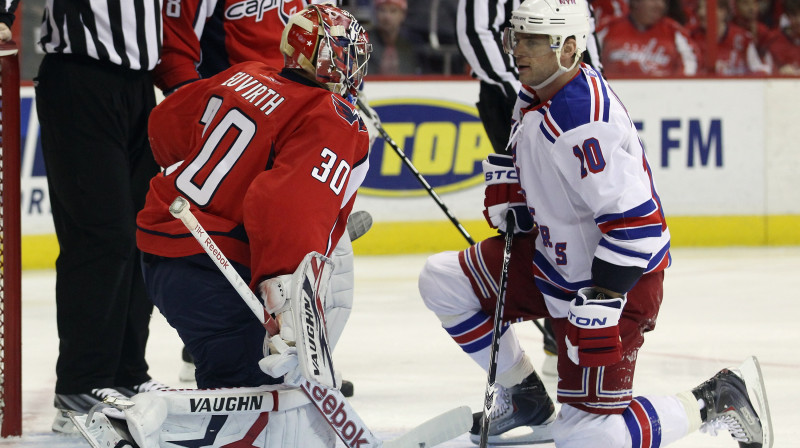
255 92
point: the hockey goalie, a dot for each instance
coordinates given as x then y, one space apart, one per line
306 410
261 166
269 160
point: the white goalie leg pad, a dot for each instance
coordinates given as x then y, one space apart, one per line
161 416
302 426
337 308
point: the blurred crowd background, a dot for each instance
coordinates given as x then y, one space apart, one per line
638 38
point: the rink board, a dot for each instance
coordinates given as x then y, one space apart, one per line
719 150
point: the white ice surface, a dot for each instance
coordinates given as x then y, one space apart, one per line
720 306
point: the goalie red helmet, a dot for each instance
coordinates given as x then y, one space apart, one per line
328 43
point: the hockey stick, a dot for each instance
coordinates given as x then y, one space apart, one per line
377 122
498 322
180 209
330 402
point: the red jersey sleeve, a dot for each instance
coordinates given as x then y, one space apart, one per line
180 51
301 204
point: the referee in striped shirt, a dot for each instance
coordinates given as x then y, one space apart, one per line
94 94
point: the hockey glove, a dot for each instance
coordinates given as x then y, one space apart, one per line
593 331
503 192
282 361
275 293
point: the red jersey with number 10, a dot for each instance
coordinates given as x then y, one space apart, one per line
269 161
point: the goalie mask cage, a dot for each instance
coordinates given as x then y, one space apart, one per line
10 251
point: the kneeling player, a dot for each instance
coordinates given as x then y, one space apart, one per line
595 264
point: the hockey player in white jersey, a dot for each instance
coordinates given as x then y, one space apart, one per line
591 248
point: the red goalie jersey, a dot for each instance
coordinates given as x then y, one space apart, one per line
269 161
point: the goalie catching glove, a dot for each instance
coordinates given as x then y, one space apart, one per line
299 300
593 331
503 192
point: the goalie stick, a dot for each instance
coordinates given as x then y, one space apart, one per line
180 209
330 402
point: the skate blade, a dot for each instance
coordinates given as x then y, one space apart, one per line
523 435
750 371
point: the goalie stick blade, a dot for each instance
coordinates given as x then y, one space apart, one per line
358 224
750 371
437 430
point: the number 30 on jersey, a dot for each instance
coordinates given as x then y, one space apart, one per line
323 172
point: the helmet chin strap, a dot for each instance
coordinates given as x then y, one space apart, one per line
561 70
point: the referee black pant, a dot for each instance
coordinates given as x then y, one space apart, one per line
93 118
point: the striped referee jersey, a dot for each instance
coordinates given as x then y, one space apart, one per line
124 32
479 27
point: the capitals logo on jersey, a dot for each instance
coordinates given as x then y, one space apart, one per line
258 8
346 111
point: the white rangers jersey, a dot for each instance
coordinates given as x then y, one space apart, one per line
588 184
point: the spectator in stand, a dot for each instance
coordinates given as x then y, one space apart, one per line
677 10
646 43
784 43
393 53
606 10
736 53
418 30
746 15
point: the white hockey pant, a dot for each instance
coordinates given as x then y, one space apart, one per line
648 421
447 292
340 299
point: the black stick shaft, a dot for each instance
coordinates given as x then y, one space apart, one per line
498 323
416 173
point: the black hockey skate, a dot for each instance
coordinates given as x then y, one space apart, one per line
737 401
526 406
